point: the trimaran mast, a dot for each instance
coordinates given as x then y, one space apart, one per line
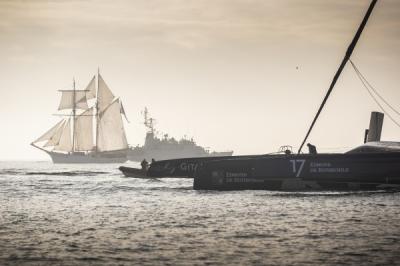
342 65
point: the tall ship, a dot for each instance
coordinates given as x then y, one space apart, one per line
168 147
92 129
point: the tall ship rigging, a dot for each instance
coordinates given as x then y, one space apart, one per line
92 131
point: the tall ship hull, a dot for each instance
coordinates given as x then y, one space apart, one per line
92 130
88 158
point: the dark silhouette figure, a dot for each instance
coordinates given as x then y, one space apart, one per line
144 165
311 148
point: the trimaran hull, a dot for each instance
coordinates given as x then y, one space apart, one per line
302 172
292 172
306 171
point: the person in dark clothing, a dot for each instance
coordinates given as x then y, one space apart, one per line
311 148
152 160
144 165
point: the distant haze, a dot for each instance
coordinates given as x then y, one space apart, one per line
235 75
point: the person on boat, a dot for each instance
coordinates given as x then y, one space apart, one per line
153 161
311 148
144 165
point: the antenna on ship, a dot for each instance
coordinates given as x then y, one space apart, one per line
148 121
145 114
346 58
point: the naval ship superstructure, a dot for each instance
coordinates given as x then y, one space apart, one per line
168 147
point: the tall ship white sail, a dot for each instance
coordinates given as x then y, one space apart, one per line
92 131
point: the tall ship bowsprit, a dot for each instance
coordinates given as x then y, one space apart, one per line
92 131
167 147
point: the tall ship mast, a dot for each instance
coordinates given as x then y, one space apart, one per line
92 131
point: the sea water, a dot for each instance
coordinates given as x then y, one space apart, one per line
92 215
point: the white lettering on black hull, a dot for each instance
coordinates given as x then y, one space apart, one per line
230 174
243 180
327 167
188 167
297 166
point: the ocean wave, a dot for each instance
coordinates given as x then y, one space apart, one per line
68 173
11 172
324 193
22 172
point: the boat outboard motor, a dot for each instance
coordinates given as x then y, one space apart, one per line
311 148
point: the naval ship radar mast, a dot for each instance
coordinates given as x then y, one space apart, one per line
148 121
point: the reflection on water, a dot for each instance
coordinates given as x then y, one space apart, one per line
53 214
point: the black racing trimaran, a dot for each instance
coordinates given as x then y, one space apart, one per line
375 165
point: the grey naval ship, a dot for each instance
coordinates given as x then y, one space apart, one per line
92 129
168 147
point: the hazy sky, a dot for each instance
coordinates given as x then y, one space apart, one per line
221 71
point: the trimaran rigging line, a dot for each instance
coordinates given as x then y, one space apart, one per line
371 91
341 67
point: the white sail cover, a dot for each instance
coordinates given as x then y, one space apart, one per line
65 143
91 89
105 96
49 134
111 135
84 131
67 100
